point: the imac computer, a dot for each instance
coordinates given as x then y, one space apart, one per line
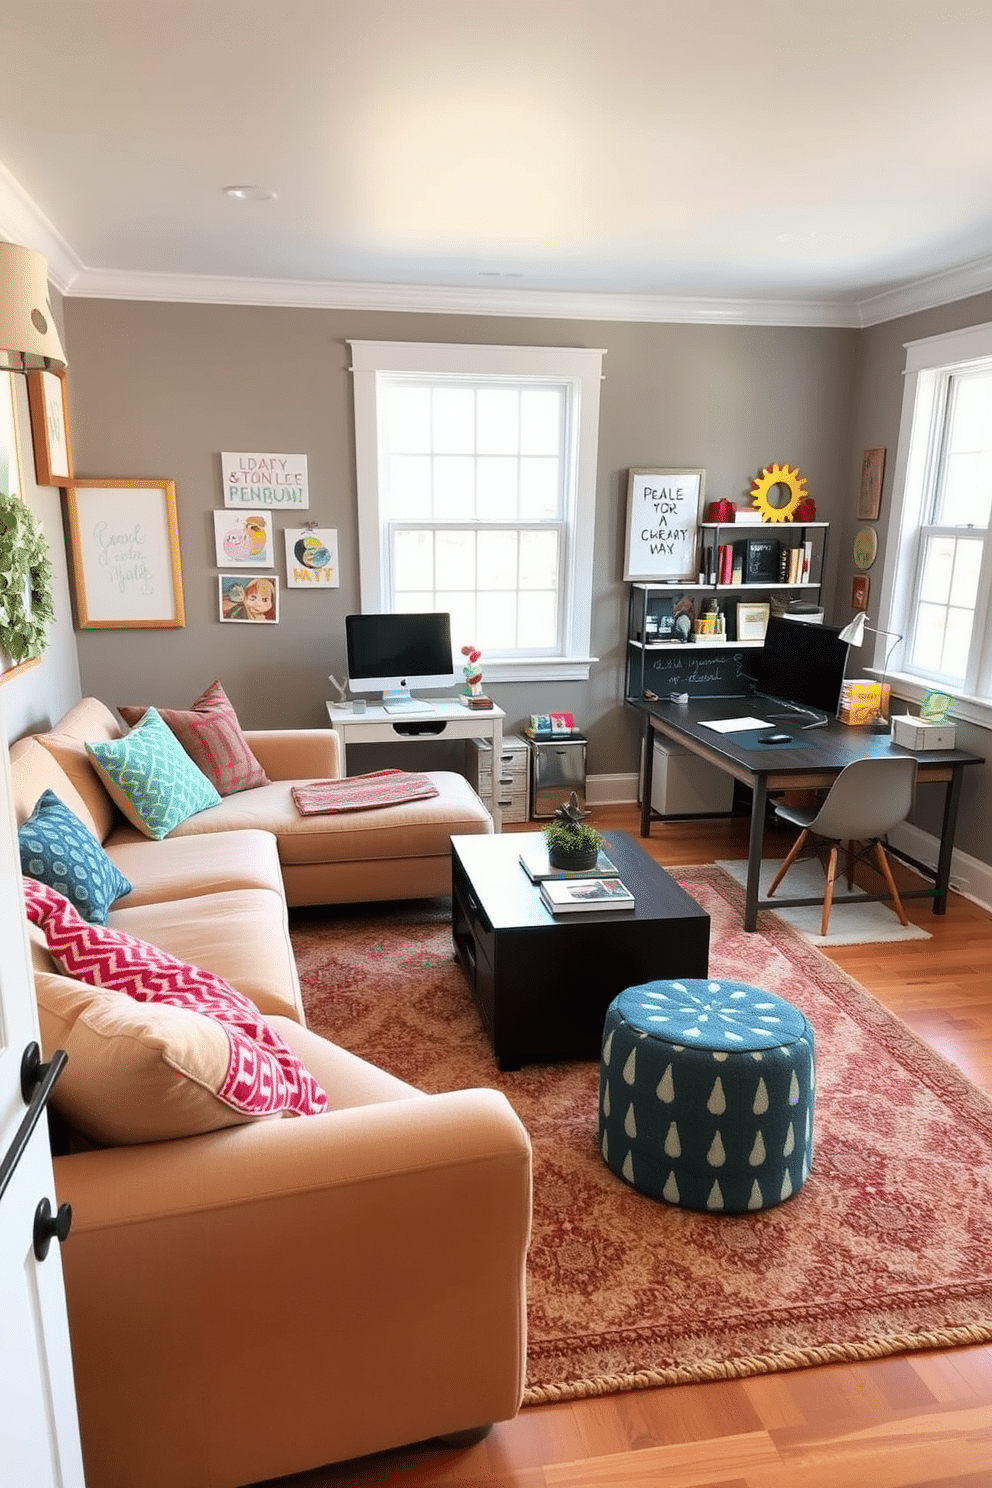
392 653
802 664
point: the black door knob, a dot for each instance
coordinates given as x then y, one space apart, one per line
49 1226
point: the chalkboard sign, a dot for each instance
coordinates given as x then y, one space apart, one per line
701 671
664 508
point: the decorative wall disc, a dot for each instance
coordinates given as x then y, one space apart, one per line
778 491
865 547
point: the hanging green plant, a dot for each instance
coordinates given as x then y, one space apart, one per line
26 607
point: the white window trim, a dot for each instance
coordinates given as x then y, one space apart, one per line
583 367
924 359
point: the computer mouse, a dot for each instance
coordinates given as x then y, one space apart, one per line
776 739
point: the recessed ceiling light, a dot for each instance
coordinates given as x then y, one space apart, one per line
250 193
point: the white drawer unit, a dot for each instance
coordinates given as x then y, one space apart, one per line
507 785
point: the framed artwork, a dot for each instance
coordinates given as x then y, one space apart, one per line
124 538
312 558
243 539
247 600
870 494
664 508
752 621
49 407
859 591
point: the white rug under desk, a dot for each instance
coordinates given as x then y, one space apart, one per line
850 924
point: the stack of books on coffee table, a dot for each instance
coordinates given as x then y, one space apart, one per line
571 895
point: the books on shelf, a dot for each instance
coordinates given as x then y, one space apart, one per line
534 861
571 895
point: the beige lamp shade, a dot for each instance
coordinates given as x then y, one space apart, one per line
28 338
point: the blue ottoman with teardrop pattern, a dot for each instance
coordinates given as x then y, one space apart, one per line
706 1094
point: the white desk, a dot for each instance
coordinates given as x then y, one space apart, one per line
446 718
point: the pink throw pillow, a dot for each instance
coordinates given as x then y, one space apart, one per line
263 1075
211 735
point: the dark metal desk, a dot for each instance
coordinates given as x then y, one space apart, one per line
812 761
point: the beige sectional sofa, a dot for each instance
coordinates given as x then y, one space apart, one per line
255 1299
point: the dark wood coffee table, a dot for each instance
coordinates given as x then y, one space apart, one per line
542 982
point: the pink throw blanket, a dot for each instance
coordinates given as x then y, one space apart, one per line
360 792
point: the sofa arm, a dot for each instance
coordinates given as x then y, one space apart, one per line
296 754
265 1299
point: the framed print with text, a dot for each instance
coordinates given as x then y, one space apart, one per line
664 508
124 536
50 428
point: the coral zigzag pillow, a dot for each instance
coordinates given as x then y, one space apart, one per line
263 1075
211 735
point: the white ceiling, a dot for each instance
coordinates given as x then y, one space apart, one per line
773 161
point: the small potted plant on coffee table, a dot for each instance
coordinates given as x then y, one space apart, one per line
571 842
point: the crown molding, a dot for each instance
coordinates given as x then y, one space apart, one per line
22 221
928 294
453 300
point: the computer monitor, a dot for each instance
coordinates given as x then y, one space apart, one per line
392 653
802 662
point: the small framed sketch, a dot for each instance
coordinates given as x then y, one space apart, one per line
50 428
870 494
752 621
664 508
859 591
247 600
124 536
312 558
243 539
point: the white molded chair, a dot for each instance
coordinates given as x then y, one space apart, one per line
868 798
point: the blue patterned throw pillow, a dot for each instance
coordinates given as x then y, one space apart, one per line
151 777
59 850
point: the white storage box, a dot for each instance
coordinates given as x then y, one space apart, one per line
682 784
919 733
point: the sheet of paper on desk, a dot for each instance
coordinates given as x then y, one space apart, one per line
734 725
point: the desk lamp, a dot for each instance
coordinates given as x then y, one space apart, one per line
28 338
854 634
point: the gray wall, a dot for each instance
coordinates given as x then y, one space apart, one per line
877 405
160 390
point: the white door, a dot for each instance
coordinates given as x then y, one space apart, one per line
39 1436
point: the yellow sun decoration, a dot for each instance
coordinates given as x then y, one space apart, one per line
766 482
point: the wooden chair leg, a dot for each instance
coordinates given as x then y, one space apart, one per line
850 865
883 864
793 855
828 893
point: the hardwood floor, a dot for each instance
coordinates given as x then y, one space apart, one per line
919 1421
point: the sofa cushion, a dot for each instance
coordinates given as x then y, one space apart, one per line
410 829
241 935
151 777
185 867
262 1074
89 720
59 850
137 1072
211 735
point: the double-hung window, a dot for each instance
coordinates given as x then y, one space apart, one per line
939 560
476 495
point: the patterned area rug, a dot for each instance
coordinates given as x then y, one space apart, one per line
887 1247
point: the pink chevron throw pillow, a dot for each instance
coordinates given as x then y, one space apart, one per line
263 1076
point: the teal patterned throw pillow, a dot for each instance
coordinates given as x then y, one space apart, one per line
151 777
59 850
